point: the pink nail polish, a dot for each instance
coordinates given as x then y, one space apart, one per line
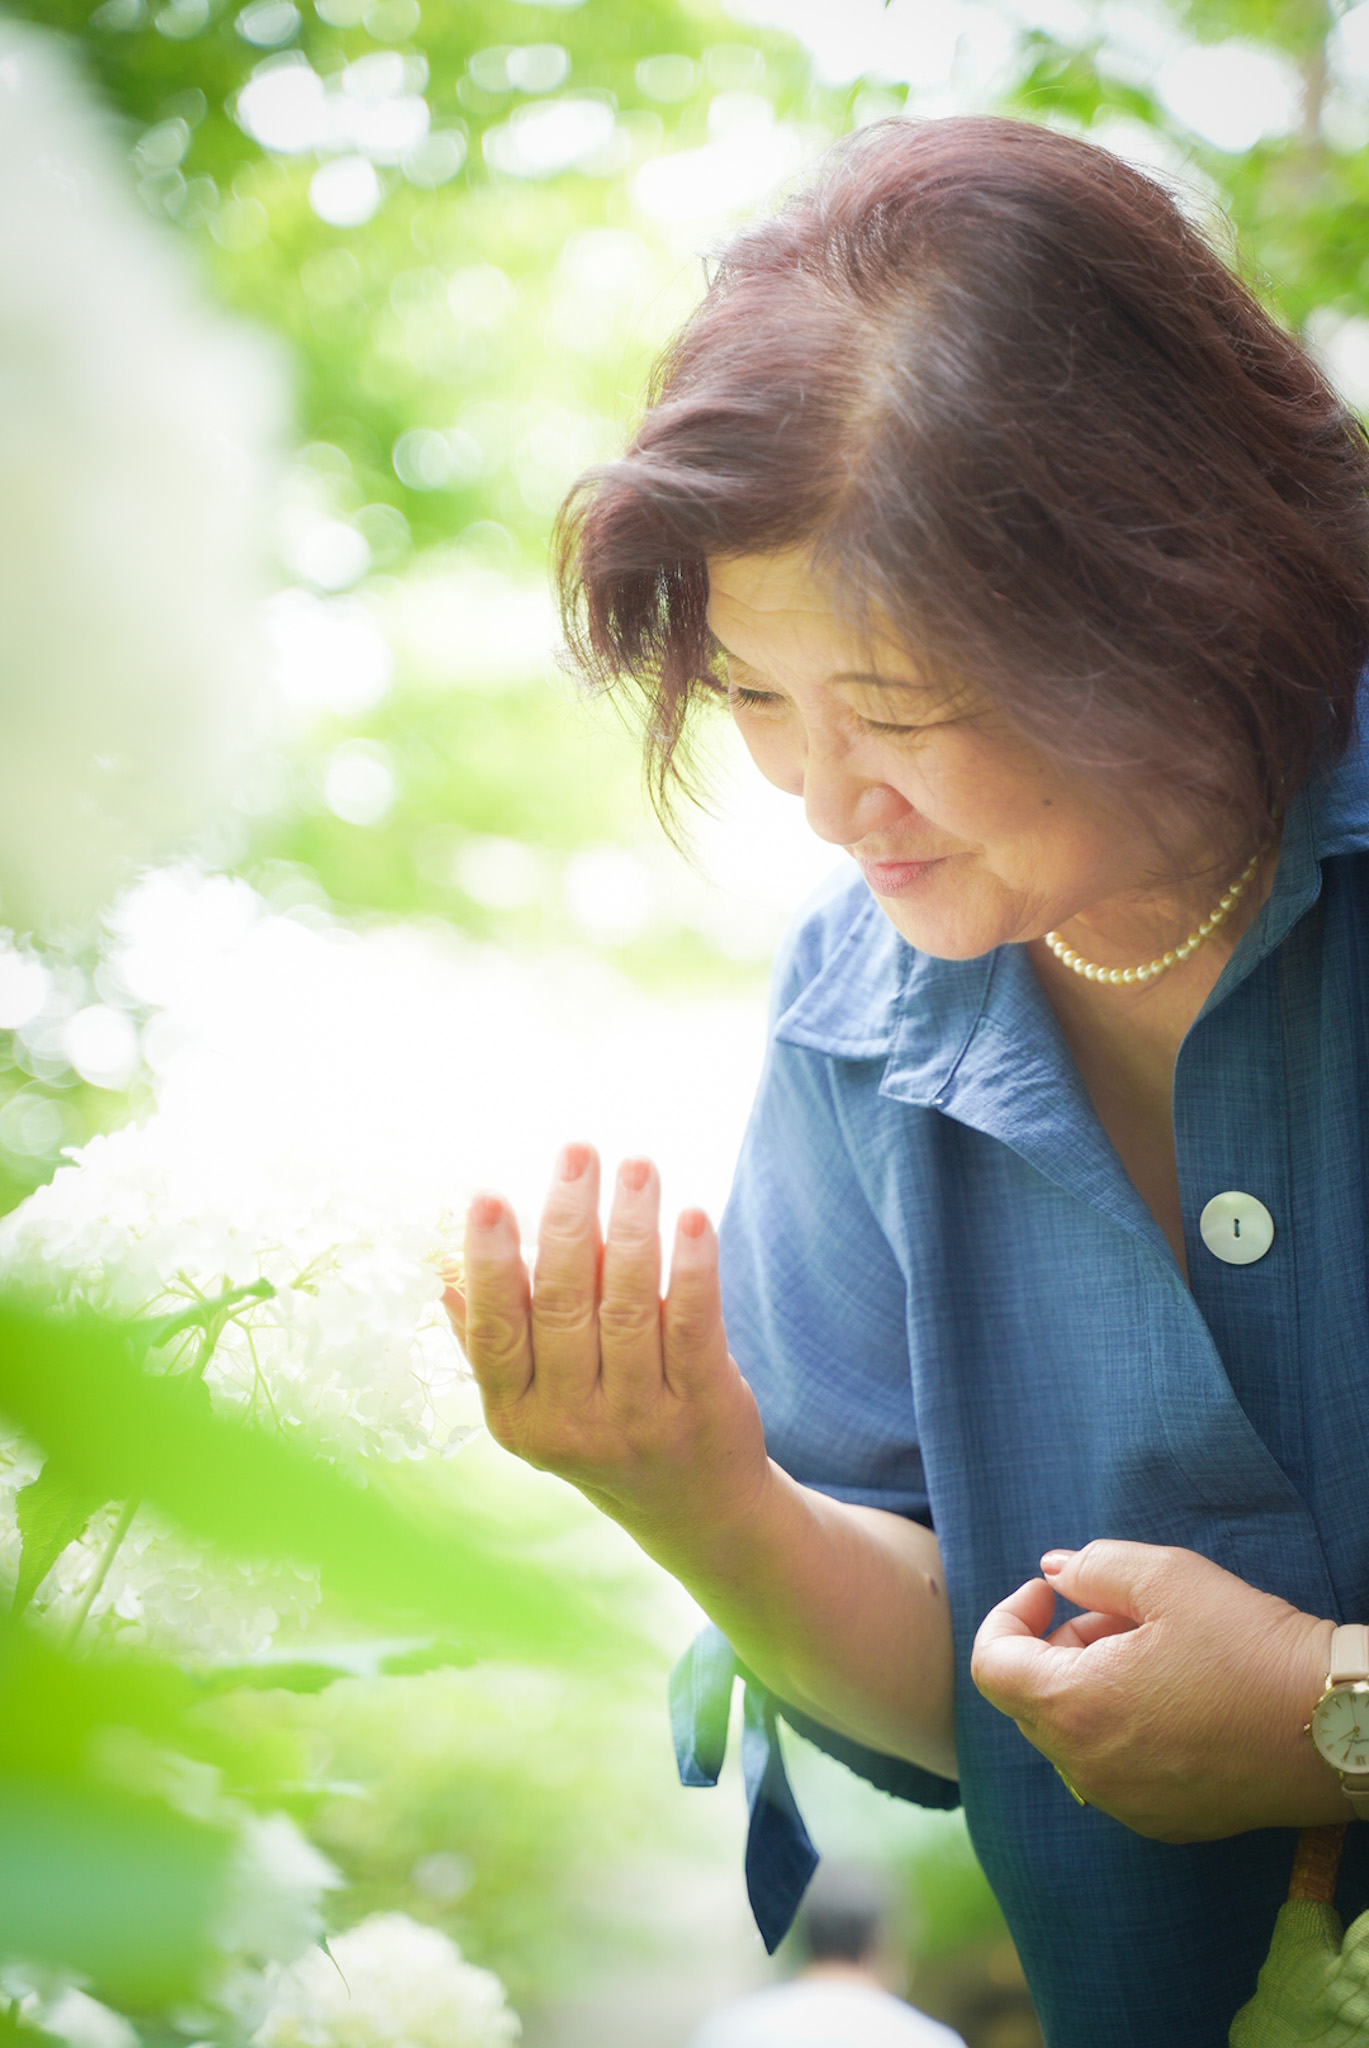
1055 1561
486 1211
633 1175
693 1223
573 1161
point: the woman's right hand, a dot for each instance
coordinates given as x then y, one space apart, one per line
585 1370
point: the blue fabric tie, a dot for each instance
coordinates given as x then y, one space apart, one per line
780 1857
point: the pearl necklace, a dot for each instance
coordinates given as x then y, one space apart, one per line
1091 971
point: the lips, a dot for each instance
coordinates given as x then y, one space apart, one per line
892 877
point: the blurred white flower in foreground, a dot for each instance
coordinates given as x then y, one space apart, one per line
271 1907
342 1207
135 436
387 1983
353 1345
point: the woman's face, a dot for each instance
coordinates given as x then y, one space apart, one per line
968 837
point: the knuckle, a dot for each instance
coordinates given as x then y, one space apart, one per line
562 1232
491 1338
691 1324
627 1320
632 1243
560 1305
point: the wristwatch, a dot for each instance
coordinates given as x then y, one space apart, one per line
1340 1720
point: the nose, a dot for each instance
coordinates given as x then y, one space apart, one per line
843 804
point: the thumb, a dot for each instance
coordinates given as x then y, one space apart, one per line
1107 1577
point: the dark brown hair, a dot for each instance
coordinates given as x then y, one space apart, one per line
1027 419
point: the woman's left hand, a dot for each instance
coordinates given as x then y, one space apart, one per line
1176 1702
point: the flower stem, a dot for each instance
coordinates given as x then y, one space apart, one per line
209 1317
101 1572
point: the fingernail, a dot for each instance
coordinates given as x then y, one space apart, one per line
1055 1561
632 1173
573 1161
486 1211
693 1223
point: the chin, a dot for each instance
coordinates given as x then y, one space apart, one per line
946 938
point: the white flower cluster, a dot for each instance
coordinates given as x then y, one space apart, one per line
162 1586
386 1983
353 1341
352 1346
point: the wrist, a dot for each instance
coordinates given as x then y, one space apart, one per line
720 1546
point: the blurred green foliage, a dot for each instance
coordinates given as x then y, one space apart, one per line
103 1870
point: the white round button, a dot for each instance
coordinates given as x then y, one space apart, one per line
1236 1228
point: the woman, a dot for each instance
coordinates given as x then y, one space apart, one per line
1033 556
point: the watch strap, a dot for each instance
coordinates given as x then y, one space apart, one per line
1349 1654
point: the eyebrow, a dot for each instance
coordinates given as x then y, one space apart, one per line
846 675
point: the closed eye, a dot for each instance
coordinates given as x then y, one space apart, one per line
878 725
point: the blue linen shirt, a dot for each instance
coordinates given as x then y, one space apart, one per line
952 1302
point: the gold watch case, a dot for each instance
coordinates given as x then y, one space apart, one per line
1340 1725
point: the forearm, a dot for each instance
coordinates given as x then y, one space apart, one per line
839 1610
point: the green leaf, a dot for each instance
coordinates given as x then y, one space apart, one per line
120 1434
117 1888
277 1672
51 1512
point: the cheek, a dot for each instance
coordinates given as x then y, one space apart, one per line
983 792
777 752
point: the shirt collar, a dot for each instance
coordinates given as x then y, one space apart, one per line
876 997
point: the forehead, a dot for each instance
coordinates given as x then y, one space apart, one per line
767 586
772 613
775 605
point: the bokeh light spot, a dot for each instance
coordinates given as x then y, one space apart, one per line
501 874
667 78
359 783
182 19
436 158
102 1045
268 22
1231 95
557 135
24 986
282 106
393 21
345 193
538 67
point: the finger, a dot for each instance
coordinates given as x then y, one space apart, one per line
630 1296
1010 1663
694 1342
496 1335
565 1323
1083 1629
1109 1577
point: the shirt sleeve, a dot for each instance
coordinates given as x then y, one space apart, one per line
815 1306
813 1297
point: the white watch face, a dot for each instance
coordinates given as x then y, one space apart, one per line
1340 1728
